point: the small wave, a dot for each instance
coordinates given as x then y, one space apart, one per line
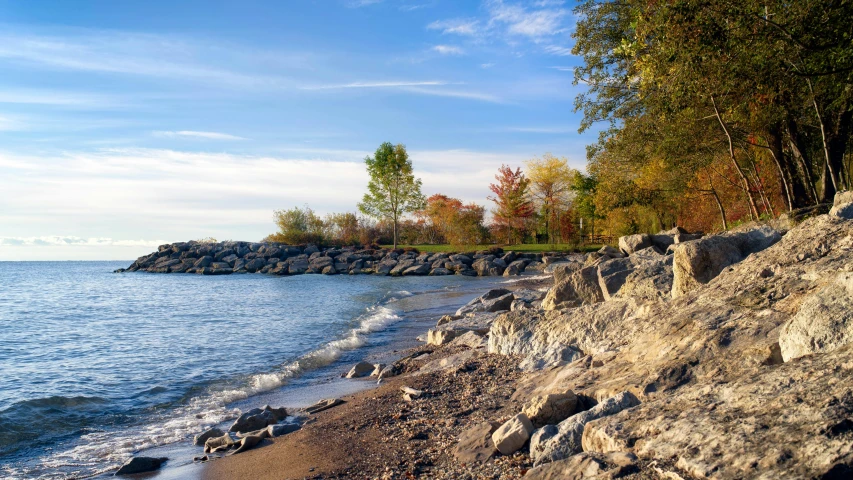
115 447
527 278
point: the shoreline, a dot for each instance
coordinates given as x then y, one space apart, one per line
368 435
181 454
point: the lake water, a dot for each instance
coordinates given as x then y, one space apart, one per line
98 366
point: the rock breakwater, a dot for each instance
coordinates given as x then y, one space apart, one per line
224 258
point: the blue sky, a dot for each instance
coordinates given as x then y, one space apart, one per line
128 124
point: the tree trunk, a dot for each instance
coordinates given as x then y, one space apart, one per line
395 231
719 203
752 205
804 165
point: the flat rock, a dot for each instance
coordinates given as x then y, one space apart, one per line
475 443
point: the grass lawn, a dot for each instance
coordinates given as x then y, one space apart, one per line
527 247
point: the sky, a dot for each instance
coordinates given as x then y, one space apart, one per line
125 125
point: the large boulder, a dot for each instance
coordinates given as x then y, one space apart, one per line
513 434
556 442
632 243
489 267
494 300
562 270
516 267
199 439
421 269
612 274
699 261
651 280
550 408
361 369
824 321
581 287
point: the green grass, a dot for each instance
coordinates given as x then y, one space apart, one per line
527 247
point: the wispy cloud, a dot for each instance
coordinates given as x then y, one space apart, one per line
196 134
559 51
563 69
124 53
362 3
487 65
448 50
470 95
391 84
72 241
560 129
456 26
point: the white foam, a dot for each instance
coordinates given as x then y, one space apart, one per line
105 451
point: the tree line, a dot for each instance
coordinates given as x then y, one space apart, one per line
536 206
717 111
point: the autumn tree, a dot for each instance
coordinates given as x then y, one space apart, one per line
550 185
393 189
513 205
453 221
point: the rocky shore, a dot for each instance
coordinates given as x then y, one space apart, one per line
726 356
224 258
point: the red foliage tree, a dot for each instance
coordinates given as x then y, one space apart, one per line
513 205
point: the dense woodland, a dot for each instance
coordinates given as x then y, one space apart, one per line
716 112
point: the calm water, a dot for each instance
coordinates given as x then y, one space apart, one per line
97 366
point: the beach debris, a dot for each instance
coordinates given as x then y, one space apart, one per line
199 439
410 394
258 418
141 465
361 369
323 405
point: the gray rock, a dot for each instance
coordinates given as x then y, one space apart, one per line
141 465
361 369
581 287
199 440
470 339
632 243
651 280
612 275
700 261
492 301
258 418
842 206
436 272
421 269
563 270
515 268
556 442
588 465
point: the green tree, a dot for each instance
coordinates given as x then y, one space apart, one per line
298 226
393 189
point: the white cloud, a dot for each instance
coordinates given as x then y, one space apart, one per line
362 3
487 65
194 134
559 51
392 84
448 50
73 241
563 69
456 26
530 23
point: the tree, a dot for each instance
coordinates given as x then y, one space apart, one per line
393 189
513 207
452 221
550 183
298 226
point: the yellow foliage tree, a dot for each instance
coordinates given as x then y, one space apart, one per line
550 184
